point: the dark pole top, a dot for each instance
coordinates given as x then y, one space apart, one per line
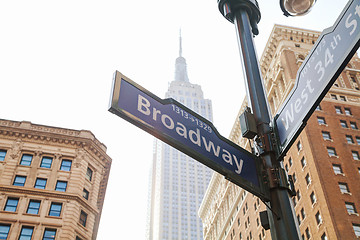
229 7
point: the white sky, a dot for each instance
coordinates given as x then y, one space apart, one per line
57 59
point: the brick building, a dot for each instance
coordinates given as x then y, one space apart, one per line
324 160
53 182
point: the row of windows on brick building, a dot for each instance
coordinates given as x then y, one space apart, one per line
46 162
26 232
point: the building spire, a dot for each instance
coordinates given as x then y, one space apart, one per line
180 64
180 40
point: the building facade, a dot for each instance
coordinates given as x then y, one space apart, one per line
324 160
53 182
178 182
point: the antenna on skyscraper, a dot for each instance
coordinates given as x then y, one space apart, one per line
180 41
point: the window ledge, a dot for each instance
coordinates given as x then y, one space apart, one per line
356 214
347 193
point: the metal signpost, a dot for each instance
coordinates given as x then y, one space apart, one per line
329 56
188 132
195 136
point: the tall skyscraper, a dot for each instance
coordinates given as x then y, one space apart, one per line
178 182
52 182
324 160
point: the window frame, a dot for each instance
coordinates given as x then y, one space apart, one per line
326 135
18 183
350 206
26 162
45 164
355 155
321 120
83 218
59 188
48 230
3 153
4 226
86 194
331 151
21 236
65 167
353 126
89 174
55 212
31 208
346 187
343 124
40 186
11 207
337 167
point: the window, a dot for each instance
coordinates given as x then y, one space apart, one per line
26 233
61 186
19 180
349 139
4 231
355 155
356 228
353 125
337 169
46 162
298 219
26 159
318 218
40 183
302 211
347 111
350 207
298 195
78 238
2 156
49 234
89 174
55 209
308 179
344 188
324 237
83 217
65 165
313 198
358 140
326 135
303 162
343 124
299 146
338 110
290 162
343 98
333 96
318 108
321 120
307 233
86 194
11 204
331 151
34 206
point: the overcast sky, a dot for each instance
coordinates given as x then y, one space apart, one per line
57 59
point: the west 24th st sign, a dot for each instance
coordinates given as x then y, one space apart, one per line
325 62
186 131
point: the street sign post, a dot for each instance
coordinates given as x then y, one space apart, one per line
186 131
329 56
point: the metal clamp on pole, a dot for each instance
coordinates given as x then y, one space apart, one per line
279 179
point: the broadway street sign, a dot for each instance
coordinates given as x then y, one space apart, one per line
186 131
331 53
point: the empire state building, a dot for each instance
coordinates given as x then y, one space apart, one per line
178 182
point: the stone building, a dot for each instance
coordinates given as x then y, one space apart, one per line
53 182
324 160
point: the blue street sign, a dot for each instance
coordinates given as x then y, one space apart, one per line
186 131
331 53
